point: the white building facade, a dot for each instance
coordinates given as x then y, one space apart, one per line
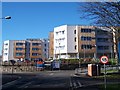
8 50
30 49
75 41
64 44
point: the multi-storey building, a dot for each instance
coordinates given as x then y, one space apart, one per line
51 45
19 49
86 41
45 46
35 49
30 49
104 43
64 44
75 41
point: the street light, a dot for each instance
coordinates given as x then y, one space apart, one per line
59 52
59 55
7 17
95 54
84 52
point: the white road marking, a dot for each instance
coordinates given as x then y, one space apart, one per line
80 85
70 84
25 85
51 74
74 83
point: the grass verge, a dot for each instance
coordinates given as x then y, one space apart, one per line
110 87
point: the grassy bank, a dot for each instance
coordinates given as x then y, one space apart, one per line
110 87
112 76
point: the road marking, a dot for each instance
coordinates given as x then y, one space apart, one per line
26 85
70 84
80 85
10 83
51 74
74 84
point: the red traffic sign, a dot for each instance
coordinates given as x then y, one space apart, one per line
104 59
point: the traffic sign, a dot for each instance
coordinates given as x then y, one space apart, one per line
104 59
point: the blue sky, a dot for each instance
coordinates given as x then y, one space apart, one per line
36 20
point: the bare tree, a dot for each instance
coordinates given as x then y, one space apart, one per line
105 14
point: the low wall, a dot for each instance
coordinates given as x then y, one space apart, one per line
19 69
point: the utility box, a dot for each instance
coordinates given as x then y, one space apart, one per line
93 69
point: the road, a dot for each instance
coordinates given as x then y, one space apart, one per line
46 80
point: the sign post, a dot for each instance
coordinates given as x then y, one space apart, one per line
104 60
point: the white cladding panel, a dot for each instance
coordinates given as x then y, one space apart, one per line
60 39
71 39
5 50
64 39
8 50
11 50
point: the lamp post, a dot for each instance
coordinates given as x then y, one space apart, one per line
95 54
59 51
6 17
59 56
84 52
111 50
55 54
79 60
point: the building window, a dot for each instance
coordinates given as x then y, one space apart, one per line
100 47
19 44
61 47
63 32
106 47
103 47
45 45
44 40
84 38
75 39
6 49
5 53
75 47
45 50
74 31
35 54
86 30
6 44
89 38
86 46
83 46
35 49
36 44
56 33
102 39
19 49
45 55
19 54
